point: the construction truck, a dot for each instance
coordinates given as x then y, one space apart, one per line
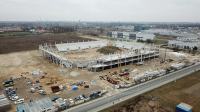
112 81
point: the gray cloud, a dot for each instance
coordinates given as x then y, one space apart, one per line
100 10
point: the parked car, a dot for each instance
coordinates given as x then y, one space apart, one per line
33 90
19 101
79 102
14 97
54 98
42 92
95 94
62 105
71 102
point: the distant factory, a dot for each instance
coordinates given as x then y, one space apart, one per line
192 43
122 35
144 36
166 32
131 35
11 29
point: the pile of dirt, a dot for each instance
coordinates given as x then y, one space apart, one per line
32 42
109 50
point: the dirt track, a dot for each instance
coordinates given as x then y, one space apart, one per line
25 43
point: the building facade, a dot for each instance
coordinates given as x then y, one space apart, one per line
122 35
185 43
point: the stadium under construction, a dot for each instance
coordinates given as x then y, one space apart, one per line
83 55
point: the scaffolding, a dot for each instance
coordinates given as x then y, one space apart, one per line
124 58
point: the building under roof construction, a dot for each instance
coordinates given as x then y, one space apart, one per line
116 60
132 53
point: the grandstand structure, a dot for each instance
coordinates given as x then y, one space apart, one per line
83 55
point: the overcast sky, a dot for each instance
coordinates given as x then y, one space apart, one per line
101 10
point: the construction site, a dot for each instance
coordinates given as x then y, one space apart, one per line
75 72
99 56
84 55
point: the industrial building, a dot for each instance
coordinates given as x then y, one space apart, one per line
144 36
131 35
131 54
122 35
166 32
185 43
10 29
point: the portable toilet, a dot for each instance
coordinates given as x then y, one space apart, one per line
183 107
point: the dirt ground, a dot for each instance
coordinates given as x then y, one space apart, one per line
31 42
14 64
84 55
166 97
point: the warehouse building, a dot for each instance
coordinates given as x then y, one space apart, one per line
144 36
166 32
122 35
131 35
185 43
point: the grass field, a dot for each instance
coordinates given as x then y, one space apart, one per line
160 39
10 44
6 34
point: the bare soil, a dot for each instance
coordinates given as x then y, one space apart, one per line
14 64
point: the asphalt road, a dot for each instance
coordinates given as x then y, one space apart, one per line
108 101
